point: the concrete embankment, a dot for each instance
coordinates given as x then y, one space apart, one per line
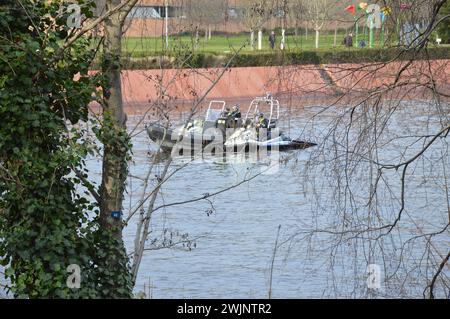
182 87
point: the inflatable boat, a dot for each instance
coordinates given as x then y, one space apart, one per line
222 129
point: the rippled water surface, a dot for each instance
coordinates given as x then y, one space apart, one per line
234 234
234 245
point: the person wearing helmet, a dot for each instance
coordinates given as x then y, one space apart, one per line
235 112
226 112
223 120
262 122
234 116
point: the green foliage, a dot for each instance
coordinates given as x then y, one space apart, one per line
138 47
112 277
278 58
116 138
46 222
444 26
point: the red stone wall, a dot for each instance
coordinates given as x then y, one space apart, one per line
141 87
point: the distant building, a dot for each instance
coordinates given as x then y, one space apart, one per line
147 18
154 9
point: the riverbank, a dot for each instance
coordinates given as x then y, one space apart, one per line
181 88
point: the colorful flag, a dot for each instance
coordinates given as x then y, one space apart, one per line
351 9
386 10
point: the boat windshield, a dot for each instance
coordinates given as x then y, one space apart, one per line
213 115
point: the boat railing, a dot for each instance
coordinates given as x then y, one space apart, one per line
254 109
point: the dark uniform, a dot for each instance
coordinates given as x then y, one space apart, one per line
234 117
236 114
272 40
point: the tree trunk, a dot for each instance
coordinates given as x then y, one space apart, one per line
114 275
306 32
260 40
335 36
317 38
209 32
114 158
197 39
252 39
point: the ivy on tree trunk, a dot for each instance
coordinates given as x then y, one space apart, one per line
49 218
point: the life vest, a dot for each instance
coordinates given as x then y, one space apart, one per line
263 122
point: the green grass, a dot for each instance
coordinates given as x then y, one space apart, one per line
149 53
221 44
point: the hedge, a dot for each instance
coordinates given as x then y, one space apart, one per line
280 58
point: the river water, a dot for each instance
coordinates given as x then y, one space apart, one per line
235 234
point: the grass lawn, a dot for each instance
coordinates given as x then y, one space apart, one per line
139 47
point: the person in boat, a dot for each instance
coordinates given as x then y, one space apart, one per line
223 120
235 112
225 113
234 116
261 123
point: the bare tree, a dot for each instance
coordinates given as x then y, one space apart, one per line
147 204
214 14
151 190
114 156
385 146
297 13
317 12
204 14
256 13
